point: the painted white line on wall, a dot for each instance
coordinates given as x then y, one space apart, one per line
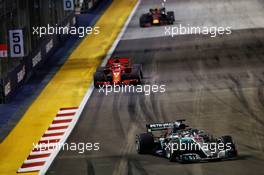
32 169
67 111
42 146
46 166
36 160
50 138
55 131
41 152
63 118
59 125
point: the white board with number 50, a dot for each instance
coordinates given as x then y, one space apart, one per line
16 43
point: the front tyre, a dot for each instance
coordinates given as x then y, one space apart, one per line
144 143
171 156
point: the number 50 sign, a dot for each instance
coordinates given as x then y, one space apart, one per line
16 43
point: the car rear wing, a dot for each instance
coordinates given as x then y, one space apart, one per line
178 124
118 60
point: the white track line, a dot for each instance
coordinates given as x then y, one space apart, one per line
47 145
51 138
55 131
63 118
36 160
67 111
45 168
59 125
31 169
41 152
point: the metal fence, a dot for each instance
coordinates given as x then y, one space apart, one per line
25 15
18 14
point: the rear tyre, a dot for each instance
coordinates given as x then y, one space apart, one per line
230 146
135 75
170 152
171 17
139 68
144 143
171 156
227 140
98 77
100 69
144 20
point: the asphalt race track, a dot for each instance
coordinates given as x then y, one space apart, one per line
216 84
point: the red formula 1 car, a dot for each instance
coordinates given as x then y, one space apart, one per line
118 71
158 16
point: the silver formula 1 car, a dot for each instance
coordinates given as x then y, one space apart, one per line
177 142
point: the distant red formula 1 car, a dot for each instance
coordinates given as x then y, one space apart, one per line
118 71
158 16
